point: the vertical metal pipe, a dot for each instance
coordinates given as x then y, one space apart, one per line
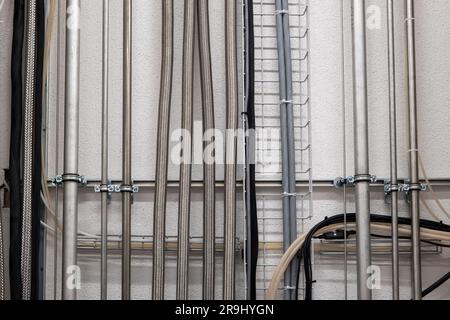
393 149
186 165
2 256
230 147
362 175
127 137
162 150
209 168
105 182
71 137
414 151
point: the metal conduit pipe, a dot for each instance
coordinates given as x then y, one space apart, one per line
413 152
163 150
105 179
186 164
127 144
2 256
393 150
209 168
71 138
362 176
230 147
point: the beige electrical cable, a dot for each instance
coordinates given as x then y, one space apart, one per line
404 231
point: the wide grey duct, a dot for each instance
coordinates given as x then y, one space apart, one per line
415 187
230 147
287 139
186 165
162 151
362 175
209 168
105 179
127 144
71 138
394 188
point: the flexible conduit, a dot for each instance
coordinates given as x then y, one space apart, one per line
287 138
209 168
159 221
186 165
252 241
14 173
230 148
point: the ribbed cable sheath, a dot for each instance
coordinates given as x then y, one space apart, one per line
14 173
162 150
27 201
209 168
230 148
186 164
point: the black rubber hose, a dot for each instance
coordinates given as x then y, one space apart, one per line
252 210
436 285
37 252
14 172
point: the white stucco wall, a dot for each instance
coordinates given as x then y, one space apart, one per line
433 68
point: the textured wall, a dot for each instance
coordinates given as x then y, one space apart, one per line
433 67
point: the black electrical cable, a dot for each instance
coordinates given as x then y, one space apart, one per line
252 210
37 215
14 173
305 252
436 285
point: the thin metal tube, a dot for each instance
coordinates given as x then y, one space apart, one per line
230 147
127 144
163 150
186 165
344 144
2 257
362 185
105 117
71 137
414 151
209 168
393 150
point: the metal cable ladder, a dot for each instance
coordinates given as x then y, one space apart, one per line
268 153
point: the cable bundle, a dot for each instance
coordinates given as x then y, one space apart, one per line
331 228
24 175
